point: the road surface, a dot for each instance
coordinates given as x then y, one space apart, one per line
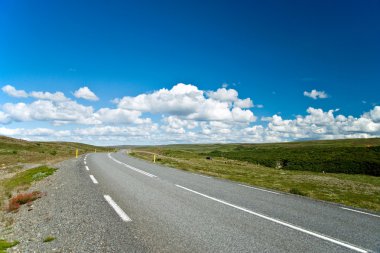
163 209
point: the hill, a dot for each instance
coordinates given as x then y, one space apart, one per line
352 156
16 151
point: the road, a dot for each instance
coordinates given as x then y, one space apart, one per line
168 210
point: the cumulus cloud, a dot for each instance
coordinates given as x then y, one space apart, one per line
11 91
85 93
188 102
57 96
315 94
186 115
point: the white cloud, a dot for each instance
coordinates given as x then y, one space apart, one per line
188 115
120 116
244 103
314 94
222 94
85 93
188 102
11 91
57 96
4 118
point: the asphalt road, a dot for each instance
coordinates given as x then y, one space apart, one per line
163 209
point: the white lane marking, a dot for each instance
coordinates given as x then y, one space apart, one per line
324 237
259 189
85 162
87 168
117 209
93 179
203 176
131 167
357 211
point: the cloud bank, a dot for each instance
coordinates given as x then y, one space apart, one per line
181 114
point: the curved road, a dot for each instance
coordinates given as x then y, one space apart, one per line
168 210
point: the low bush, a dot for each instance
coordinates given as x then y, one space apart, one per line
21 199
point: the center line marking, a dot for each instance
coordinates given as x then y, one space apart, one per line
259 189
87 168
324 237
131 167
93 179
117 209
357 211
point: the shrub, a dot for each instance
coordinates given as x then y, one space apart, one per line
21 199
54 152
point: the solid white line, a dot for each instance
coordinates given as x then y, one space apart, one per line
204 176
259 189
93 179
324 237
87 168
357 211
131 167
117 209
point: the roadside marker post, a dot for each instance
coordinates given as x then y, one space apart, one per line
154 158
76 153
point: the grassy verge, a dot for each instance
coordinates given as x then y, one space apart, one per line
4 245
22 181
361 191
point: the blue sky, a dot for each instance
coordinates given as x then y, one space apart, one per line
272 52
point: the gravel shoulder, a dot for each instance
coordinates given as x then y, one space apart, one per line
73 213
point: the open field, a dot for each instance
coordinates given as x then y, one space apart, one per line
356 190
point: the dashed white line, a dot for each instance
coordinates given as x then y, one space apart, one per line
87 168
85 162
117 209
131 167
260 189
357 211
203 176
323 237
93 179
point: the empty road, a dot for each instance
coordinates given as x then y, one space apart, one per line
168 210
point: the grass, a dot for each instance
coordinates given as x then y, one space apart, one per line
49 239
21 181
362 191
4 245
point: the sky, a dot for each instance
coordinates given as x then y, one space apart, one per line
162 72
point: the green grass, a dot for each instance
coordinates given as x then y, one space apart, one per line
25 178
49 239
22 181
356 190
6 245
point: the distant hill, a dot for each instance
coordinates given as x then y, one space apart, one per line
352 156
13 151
